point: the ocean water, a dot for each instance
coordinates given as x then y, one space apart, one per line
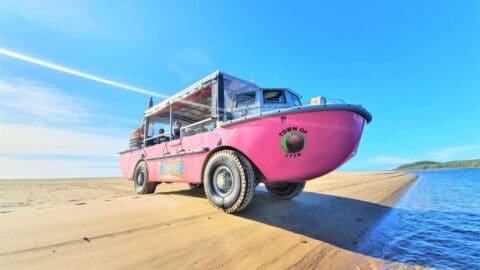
435 224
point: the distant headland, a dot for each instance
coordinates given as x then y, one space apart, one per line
429 165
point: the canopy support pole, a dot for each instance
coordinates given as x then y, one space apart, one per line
171 124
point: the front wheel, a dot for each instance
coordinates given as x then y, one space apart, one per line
229 181
285 191
141 183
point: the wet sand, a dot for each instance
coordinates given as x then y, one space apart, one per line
101 224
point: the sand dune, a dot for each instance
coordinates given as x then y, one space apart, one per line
101 224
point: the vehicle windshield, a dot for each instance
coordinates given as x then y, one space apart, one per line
238 92
274 96
246 99
294 99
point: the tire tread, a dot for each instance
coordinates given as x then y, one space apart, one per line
149 186
247 181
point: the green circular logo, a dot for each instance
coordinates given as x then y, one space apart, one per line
293 142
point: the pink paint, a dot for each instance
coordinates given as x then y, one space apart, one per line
330 138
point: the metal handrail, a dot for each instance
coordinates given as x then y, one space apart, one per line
198 123
155 137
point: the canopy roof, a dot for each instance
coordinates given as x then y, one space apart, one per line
210 97
191 99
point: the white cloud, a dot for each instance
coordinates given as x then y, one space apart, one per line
45 132
11 168
389 160
40 104
449 152
35 152
31 101
21 139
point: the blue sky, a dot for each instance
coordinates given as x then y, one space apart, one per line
415 65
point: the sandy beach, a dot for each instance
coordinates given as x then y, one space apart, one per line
102 224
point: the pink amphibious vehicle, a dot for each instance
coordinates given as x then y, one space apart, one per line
228 135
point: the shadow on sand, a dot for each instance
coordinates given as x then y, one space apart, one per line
335 220
345 223
339 221
198 192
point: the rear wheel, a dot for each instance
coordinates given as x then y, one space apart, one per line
229 181
285 191
141 183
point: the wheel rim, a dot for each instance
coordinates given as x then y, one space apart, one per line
140 178
222 181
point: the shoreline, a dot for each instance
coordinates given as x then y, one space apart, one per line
341 258
436 169
176 227
366 262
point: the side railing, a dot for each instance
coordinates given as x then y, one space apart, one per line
199 127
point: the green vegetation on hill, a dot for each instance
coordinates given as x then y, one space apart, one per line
427 165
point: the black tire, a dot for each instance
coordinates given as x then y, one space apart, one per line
140 180
285 191
229 181
250 190
195 186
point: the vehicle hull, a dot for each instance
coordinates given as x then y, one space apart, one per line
290 147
